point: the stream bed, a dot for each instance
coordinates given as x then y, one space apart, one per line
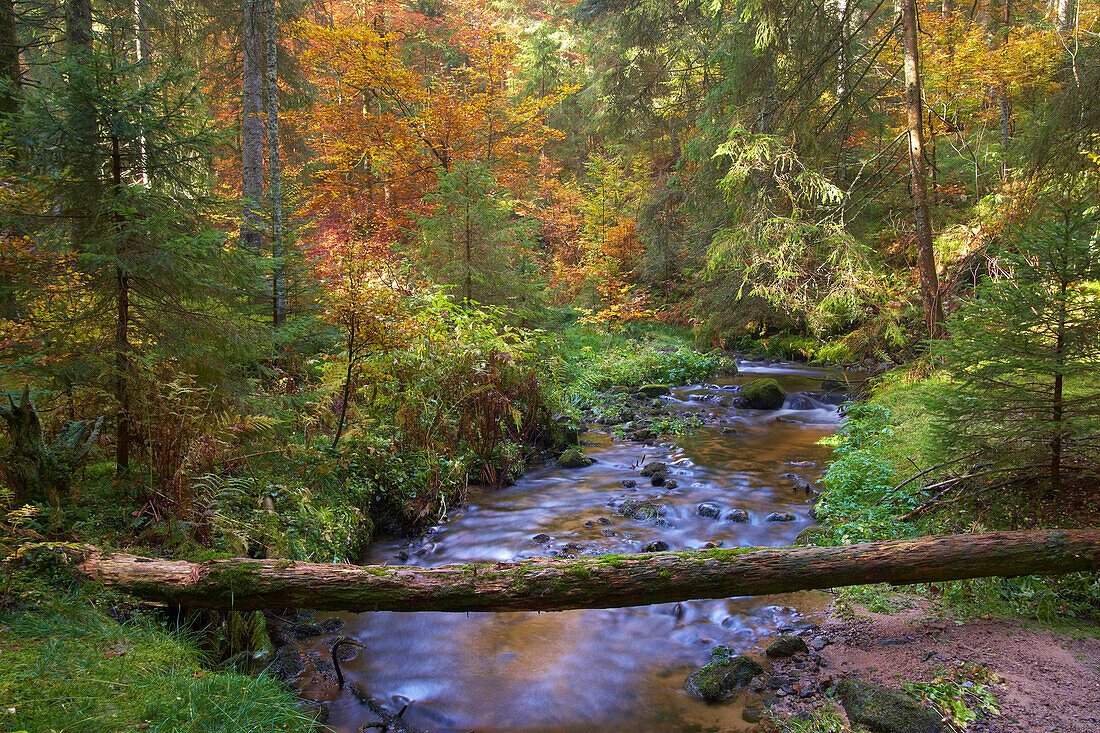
614 669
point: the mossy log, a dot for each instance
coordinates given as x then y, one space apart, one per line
606 581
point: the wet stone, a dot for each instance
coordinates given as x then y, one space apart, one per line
608 533
541 539
709 510
629 483
655 546
671 483
737 515
654 468
589 525
603 520
779 517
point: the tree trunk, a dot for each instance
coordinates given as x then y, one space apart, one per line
252 131
926 257
1067 16
82 121
610 581
122 326
11 75
278 281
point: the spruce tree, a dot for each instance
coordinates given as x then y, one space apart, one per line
1023 354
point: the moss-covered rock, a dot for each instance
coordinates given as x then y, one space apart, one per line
786 646
655 546
654 390
882 710
723 677
727 367
643 511
573 458
763 394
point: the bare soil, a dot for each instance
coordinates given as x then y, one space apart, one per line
1047 681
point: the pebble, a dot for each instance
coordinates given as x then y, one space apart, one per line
818 643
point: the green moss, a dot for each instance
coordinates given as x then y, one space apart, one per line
763 394
581 572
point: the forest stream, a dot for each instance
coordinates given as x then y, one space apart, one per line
616 669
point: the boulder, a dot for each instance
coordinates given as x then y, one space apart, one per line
882 710
655 546
654 390
786 646
724 676
573 458
763 394
654 467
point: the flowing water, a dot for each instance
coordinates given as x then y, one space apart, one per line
617 669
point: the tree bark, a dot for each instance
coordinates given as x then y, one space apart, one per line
1067 16
275 186
122 324
11 75
926 256
252 131
610 581
82 121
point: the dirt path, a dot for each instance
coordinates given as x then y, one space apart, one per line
1047 681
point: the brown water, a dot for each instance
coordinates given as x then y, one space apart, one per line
617 669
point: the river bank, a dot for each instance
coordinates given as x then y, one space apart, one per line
1037 678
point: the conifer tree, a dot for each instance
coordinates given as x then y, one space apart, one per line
1023 354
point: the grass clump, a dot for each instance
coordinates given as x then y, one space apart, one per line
70 666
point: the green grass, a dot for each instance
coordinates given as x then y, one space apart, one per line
818 721
67 666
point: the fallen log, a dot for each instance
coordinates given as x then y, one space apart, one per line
606 581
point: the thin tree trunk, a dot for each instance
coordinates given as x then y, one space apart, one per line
926 257
347 386
610 581
141 51
122 327
1002 93
1057 415
278 280
252 134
